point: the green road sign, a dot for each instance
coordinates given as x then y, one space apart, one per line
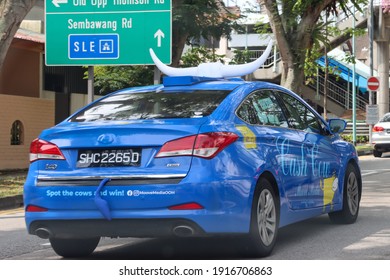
107 32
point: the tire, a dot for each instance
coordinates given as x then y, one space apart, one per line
264 220
351 198
376 153
74 248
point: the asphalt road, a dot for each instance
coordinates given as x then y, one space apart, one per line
315 239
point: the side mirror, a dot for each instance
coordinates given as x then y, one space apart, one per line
337 125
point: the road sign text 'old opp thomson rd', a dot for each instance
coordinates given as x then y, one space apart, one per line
107 32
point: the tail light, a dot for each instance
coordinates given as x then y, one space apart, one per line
206 145
40 149
34 208
377 128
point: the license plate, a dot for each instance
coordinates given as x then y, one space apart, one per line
109 158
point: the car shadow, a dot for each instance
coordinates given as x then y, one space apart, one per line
177 249
207 248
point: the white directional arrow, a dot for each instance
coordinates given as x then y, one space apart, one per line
159 34
58 2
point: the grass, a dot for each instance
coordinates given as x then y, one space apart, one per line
11 182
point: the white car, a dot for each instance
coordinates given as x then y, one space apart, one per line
381 136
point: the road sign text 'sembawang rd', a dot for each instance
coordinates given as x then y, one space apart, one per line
107 32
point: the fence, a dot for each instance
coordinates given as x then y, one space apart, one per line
362 129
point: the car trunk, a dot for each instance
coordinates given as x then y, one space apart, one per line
124 150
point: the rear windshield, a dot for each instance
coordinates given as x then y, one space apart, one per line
152 105
386 118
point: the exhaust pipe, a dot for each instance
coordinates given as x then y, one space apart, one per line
183 231
43 233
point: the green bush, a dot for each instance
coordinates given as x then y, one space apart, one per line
359 138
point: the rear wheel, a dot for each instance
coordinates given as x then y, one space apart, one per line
351 198
377 153
264 220
74 248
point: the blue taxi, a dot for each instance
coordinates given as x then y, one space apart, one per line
198 155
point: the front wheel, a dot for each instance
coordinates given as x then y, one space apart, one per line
351 198
74 247
264 220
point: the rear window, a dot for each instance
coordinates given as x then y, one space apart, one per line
152 105
386 118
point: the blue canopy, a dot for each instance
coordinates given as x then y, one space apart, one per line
345 72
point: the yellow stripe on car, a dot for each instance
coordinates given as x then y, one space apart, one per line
249 136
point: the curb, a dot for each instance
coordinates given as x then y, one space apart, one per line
364 153
11 202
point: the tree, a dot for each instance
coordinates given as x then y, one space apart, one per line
112 78
12 12
195 56
295 25
193 19
241 57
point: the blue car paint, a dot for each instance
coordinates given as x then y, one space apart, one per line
224 185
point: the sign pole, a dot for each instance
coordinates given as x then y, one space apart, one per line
372 110
156 76
371 35
370 125
90 84
354 84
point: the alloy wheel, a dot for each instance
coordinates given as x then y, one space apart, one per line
266 217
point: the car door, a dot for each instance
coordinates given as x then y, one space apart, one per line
278 144
322 157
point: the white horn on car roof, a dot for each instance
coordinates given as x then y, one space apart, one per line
213 69
170 71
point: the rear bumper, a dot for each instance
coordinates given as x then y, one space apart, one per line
141 210
114 228
225 200
382 147
145 223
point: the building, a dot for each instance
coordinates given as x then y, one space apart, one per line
33 96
